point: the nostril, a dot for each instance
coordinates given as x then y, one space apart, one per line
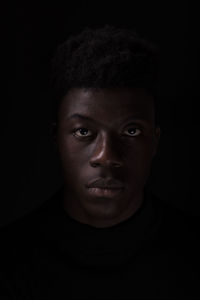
115 165
94 165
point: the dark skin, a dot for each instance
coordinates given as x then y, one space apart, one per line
97 147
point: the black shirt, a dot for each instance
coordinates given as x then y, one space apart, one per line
49 255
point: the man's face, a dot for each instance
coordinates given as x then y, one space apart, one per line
118 141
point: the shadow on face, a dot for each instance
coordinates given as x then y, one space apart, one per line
107 135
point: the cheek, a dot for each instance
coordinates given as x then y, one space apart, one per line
73 156
138 152
138 160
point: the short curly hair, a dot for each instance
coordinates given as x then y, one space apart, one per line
103 58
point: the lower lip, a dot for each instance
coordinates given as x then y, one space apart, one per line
107 193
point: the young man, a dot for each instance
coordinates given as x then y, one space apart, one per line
104 234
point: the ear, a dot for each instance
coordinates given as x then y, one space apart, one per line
157 135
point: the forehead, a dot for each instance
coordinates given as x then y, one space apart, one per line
108 104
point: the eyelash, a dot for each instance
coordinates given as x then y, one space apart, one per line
82 137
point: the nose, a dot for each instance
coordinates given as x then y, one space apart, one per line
105 154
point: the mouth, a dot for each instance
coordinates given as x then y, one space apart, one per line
105 192
105 187
105 183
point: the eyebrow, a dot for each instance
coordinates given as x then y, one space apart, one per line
83 117
75 116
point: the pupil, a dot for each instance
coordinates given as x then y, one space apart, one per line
132 131
83 130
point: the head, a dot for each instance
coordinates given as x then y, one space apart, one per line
105 125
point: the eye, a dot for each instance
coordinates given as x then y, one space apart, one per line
82 132
134 131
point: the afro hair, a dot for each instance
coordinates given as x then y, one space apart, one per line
104 58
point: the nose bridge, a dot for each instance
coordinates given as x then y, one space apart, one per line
105 152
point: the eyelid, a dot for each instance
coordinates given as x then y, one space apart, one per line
82 127
135 126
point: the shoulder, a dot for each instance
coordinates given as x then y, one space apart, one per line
181 222
18 235
28 231
174 218
178 232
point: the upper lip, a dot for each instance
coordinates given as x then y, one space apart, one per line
104 183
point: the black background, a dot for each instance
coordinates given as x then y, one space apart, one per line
31 167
